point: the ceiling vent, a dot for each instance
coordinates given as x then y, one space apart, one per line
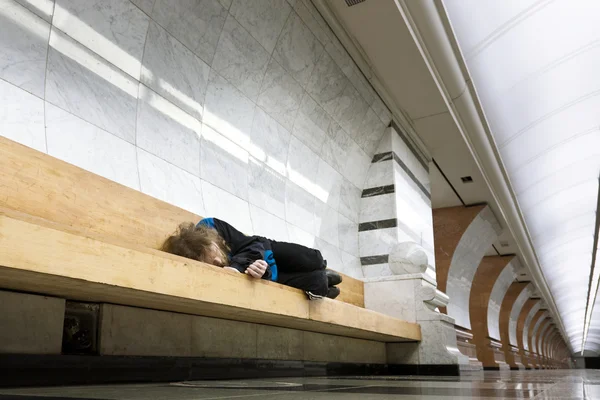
354 2
466 179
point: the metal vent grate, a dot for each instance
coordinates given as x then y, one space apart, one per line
354 2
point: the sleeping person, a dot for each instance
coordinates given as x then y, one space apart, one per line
216 242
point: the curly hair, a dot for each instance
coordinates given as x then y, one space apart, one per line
195 242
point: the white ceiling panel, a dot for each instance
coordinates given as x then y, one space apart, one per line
535 66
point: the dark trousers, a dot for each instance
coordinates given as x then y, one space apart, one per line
300 267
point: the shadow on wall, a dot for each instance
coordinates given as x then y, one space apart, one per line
254 114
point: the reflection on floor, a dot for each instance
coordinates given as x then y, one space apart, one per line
567 384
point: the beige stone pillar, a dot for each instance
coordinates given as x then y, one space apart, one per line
507 304
488 349
462 237
529 304
530 334
539 339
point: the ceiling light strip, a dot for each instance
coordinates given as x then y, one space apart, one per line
594 277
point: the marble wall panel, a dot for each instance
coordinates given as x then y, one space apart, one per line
247 110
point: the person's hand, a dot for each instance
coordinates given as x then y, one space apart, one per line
257 269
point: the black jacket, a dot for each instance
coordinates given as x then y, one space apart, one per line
244 249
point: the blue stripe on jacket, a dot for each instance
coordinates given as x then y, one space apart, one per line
207 222
270 259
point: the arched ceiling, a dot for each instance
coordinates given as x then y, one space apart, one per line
536 69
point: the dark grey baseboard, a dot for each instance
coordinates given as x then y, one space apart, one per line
51 370
424 369
491 368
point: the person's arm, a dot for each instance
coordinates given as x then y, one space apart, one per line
250 260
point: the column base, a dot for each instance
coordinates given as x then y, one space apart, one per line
464 339
415 298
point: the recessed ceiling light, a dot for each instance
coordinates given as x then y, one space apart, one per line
466 179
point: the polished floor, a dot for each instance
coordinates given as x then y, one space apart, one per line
566 384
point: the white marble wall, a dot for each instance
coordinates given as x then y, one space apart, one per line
395 206
505 279
246 110
477 239
527 327
515 312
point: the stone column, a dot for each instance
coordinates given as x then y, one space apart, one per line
562 353
398 258
552 347
529 308
489 279
462 237
535 337
549 347
411 294
537 318
528 326
510 351
539 339
395 206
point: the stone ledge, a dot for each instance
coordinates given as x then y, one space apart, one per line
143 277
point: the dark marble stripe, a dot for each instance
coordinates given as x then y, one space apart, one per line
384 223
410 145
382 157
392 155
378 191
371 260
412 176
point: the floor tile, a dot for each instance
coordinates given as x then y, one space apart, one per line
567 384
